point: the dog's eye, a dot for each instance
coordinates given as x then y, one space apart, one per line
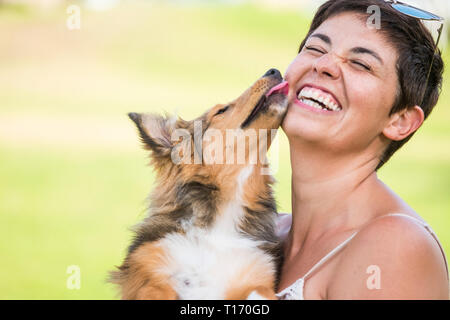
222 110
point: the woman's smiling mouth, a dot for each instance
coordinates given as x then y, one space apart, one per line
317 99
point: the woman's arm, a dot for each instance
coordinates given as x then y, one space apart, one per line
392 258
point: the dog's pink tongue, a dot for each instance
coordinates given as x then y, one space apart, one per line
280 88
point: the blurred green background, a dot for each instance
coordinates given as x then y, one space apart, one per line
73 177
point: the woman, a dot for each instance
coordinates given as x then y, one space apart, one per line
350 236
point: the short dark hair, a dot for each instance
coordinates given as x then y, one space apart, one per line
415 47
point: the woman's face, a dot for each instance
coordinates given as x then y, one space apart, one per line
351 70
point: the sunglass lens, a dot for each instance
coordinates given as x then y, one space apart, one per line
414 12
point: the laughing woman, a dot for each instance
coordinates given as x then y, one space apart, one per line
357 94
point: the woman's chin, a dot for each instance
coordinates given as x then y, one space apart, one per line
295 127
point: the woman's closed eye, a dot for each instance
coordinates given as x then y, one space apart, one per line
316 49
360 64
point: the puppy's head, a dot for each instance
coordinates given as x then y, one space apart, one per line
255 113
262 106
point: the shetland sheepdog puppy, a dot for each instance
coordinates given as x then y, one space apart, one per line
210 231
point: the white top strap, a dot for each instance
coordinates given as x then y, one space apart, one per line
328 256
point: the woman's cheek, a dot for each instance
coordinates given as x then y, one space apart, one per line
361 90
297 67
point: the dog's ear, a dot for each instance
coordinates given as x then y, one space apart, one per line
155 132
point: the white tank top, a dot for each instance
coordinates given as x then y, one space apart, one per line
295 290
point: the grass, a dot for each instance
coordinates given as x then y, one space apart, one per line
62 210
73 177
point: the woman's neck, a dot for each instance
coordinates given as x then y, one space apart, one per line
326 192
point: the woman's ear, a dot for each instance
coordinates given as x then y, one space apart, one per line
404 123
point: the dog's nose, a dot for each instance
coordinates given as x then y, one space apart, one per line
273 73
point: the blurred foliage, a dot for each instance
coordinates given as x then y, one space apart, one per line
73 176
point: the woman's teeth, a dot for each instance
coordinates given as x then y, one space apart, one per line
317 99
313 104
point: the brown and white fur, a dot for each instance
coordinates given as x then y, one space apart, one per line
210 231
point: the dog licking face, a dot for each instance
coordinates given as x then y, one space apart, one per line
210 229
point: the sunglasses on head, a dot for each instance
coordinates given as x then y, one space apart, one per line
422 15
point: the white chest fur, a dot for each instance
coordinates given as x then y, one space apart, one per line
203 263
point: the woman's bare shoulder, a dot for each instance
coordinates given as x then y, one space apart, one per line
393 257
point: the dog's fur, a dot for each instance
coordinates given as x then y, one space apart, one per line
210 231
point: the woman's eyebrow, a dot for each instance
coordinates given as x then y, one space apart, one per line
367 51
359 50
322 37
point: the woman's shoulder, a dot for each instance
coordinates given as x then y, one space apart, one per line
399 251
405 229
402 228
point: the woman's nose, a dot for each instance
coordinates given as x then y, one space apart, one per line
328 66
